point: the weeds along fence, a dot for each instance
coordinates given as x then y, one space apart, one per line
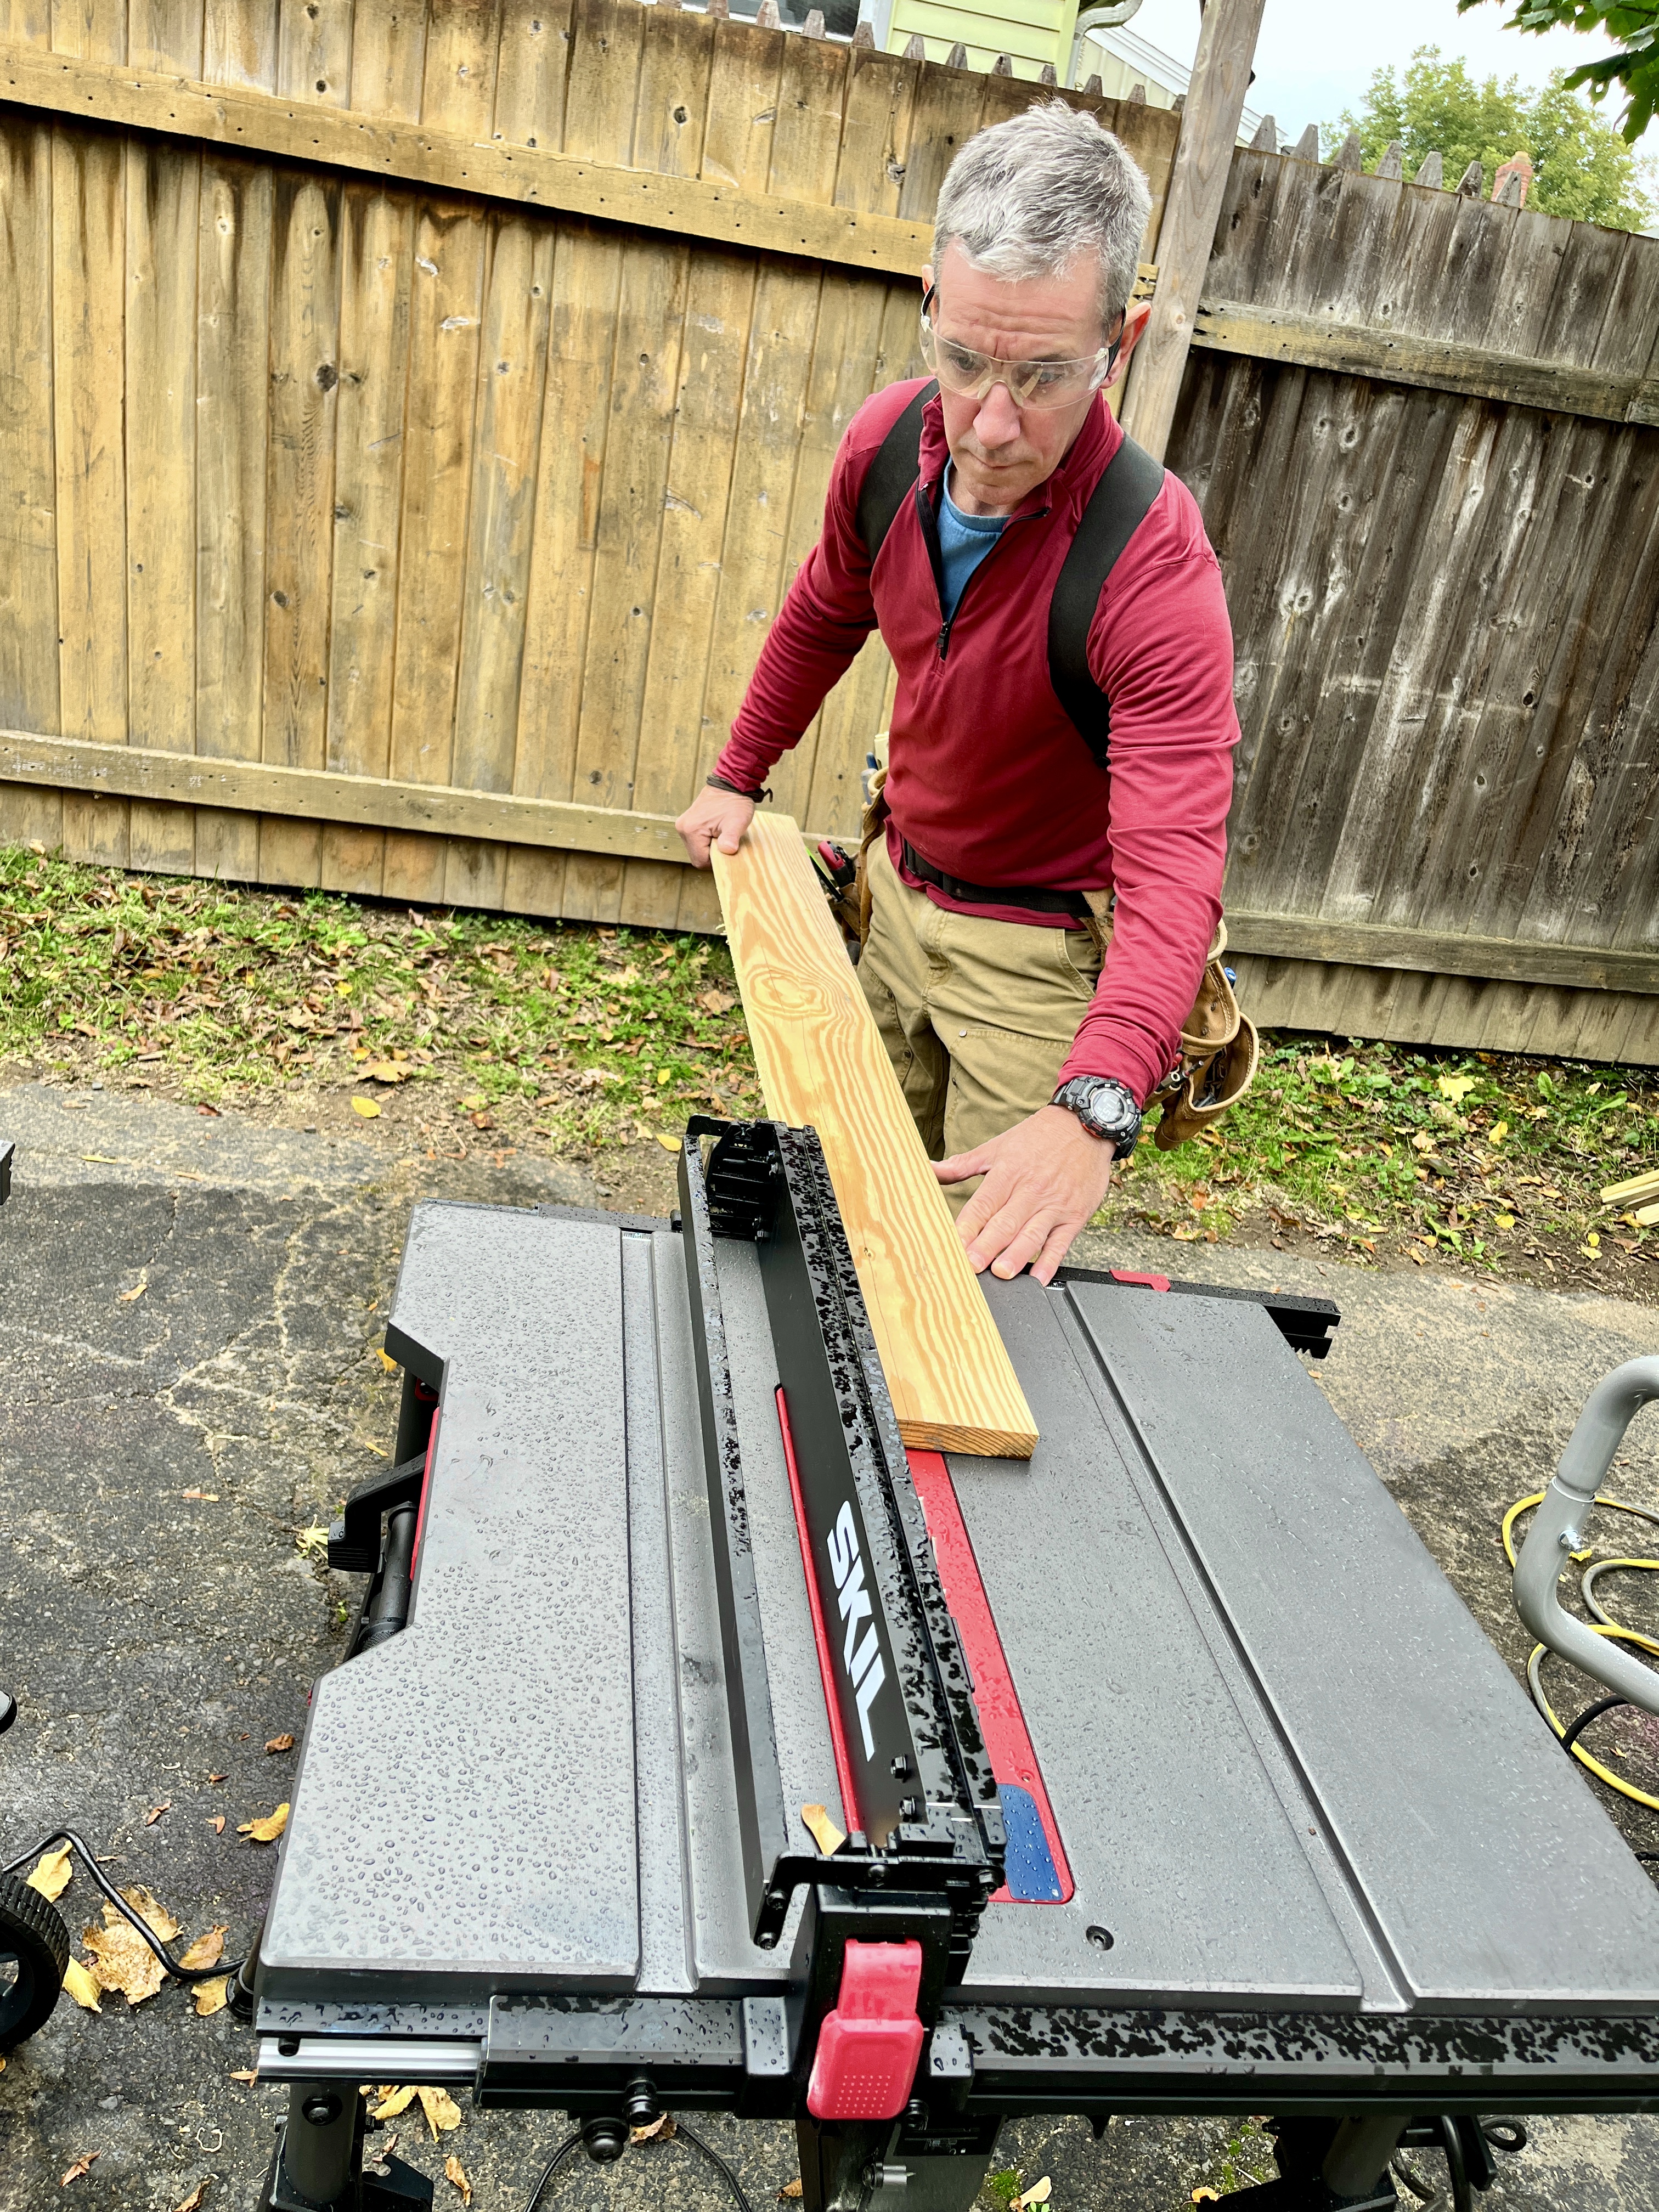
412 417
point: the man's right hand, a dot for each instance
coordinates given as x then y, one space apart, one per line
714 817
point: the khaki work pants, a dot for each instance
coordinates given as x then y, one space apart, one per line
977 1015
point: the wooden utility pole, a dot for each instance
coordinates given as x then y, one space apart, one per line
1209 130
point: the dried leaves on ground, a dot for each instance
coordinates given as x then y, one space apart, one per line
51 1873
267 1830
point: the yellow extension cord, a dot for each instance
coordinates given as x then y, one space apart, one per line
1602 1625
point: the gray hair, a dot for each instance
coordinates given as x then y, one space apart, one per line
1025 197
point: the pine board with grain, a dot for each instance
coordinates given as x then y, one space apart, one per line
823 1064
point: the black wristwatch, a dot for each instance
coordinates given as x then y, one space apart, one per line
1105 1107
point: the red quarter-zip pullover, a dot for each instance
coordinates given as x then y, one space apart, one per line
988 779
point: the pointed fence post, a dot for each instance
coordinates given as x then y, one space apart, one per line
1432 173
1198 179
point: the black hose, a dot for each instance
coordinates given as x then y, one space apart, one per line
1569 1736
572 2143
716 2160
184 1973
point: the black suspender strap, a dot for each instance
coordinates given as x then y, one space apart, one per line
890 478
1117 507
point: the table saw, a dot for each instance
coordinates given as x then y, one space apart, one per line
1173 1776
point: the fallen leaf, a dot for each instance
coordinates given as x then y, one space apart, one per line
482 1120
791 2192
212 1996
78 1981
217 1823
268 1830
1423 1142
1504 1220
716 1002
81 2166
1454 1086
827 1837
367 1107
440 2109
388 1363
157 1811
392 2101
454 2171
193 2201
207 1950
51 1874
280 1743
149 1909
216 1777
669 1144
127 1297
384 1070
1498 1131
245 2074
1205 2196
206 1497
1038 2193
121 1960
661 2129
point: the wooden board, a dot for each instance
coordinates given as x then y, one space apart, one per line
823 1065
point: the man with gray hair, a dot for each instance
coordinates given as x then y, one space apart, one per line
1043 893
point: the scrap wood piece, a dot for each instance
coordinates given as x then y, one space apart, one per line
823 1064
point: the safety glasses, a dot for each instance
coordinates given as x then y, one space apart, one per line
1030 383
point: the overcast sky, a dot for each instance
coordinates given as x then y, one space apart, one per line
1315 58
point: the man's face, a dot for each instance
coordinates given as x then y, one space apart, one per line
1002 453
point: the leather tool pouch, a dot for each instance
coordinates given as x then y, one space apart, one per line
875 825
1218 1044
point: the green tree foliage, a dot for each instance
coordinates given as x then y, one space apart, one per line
1582 166
1634 67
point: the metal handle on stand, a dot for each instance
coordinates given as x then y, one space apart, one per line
1557 1529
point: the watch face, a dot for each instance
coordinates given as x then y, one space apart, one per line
1109 1110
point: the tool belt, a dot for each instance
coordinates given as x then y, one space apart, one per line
1219 1047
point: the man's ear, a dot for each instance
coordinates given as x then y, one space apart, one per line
927 277
1135 318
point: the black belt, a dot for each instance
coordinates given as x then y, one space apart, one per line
1031 897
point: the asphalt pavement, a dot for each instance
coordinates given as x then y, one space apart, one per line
191 1311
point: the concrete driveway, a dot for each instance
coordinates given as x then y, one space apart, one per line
189 1313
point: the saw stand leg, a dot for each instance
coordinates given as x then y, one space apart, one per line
318 2163
858 2167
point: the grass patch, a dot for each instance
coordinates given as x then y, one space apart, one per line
608 1033
595 1035
1473 1155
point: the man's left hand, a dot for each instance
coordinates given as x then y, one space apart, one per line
1045 1179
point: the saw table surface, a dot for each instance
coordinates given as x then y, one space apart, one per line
1288 1771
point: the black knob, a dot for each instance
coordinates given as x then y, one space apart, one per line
915 2116
641 2097
604 2140
323 2108
8 1711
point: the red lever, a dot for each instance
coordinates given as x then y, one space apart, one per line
868 2046
1146 1282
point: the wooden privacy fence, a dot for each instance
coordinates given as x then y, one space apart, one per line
1418 424
413 420
410 418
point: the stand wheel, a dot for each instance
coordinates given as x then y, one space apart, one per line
34 1949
